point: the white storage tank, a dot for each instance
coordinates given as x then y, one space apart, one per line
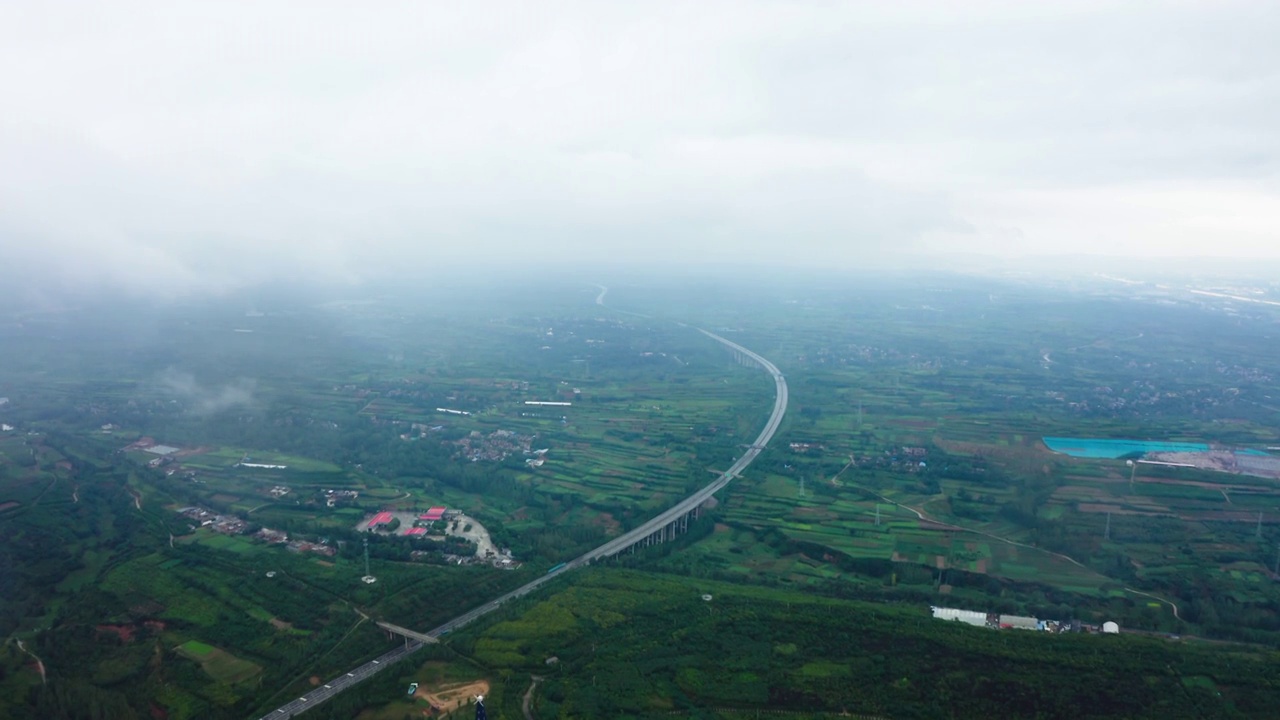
1110 627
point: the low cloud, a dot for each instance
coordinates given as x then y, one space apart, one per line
181 148
205 400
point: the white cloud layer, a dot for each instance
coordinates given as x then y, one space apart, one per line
176 146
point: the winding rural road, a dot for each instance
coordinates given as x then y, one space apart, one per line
39 662
526 703
608 549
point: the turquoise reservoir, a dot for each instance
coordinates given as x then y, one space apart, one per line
1116 449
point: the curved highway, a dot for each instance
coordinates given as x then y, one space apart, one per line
626 540
612 547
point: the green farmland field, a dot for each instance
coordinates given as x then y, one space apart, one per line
221 665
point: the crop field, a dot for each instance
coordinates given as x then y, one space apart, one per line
30 473
229 543
221 665
843 519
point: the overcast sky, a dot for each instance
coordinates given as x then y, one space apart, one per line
177 146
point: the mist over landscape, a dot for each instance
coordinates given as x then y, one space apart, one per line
195 147
582 360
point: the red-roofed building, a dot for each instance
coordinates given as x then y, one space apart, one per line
382 518
416 531
433 514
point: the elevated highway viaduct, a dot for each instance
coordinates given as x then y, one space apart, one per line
656 529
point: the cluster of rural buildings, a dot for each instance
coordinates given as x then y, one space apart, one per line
999 621
496 446
333 497
425 526
308 546
165 454
421 525
899 459
225 524
419 430
232 525
539 457
148 445
503 561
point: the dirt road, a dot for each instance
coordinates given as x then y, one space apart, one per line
526 705
39 662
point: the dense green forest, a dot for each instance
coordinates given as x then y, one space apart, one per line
633 644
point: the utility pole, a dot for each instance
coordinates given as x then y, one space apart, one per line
1108 530
802 486
1259 533
877 514
368 578
859 414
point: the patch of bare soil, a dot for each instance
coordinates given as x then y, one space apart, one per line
609 523
451 696
124 632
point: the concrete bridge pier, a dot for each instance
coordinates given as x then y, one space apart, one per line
392 636
670 531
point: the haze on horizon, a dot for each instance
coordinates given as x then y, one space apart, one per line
174 148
